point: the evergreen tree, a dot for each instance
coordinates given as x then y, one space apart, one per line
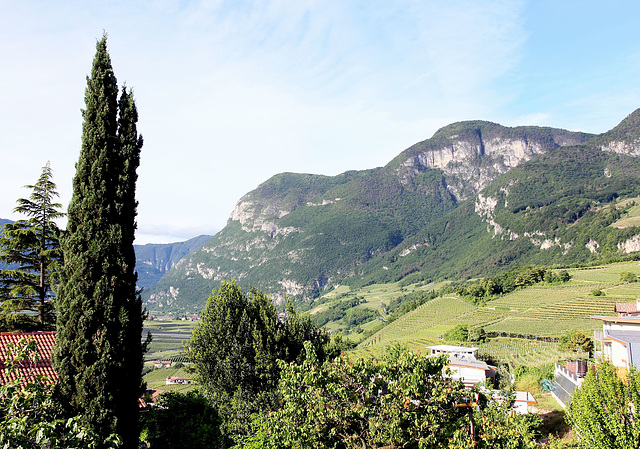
98 353
31 250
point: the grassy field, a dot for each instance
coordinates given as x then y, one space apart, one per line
156 379
632 217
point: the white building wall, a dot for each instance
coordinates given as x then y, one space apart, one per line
619 354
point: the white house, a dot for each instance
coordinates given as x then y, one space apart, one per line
162 363
176 381
464 365
619 340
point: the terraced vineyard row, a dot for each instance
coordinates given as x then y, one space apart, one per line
542 328
427 315
519 351
541 311
546 295
605 273
481 316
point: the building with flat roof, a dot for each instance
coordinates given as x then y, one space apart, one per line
619 341
463 364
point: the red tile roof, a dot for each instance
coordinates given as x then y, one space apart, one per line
626 307
28 369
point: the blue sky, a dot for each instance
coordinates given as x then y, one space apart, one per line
230 93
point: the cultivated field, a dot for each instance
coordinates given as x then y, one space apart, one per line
156 379
543 311
168 339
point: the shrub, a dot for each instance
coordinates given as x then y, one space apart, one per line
627 276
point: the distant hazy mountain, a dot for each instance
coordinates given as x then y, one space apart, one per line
155 259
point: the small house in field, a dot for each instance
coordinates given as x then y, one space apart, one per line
28 369
162 363
176 381
463 364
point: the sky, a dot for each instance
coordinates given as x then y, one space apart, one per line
230 93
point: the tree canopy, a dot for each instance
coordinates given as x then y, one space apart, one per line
31 250
402 401
603 411
235 349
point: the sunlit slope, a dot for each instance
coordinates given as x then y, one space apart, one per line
536 312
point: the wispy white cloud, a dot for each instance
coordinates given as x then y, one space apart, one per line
232 92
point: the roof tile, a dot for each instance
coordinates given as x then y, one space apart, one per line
44 346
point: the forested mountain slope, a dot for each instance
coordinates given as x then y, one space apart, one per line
298 234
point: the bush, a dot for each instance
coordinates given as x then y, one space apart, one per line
181 421
458 333
627 276
597 293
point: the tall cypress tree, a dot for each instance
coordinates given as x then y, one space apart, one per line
98 353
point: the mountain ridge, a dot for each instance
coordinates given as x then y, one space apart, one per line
298 234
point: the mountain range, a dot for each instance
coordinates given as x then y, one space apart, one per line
153 260
474 199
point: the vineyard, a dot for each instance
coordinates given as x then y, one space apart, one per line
168 339
537 312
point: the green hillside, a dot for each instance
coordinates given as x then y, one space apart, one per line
153 260
539 311
547 211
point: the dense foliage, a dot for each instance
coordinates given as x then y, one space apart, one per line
576 341
401 401
31 251
181 421
235 348
30 418
98 352
603 410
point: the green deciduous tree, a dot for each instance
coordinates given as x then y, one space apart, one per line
31 249
627 276
235 349
576 341
403 401
98 353
603 411
181 421
458 333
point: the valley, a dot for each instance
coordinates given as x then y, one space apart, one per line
523 326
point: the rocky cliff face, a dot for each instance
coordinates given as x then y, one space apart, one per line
473 158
